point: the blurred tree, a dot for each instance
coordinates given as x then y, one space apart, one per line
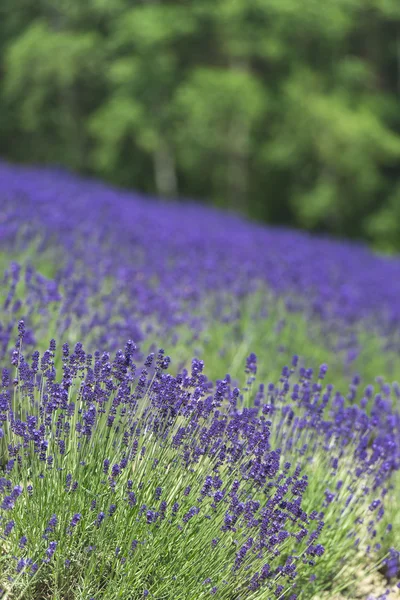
53 65
218 110
145 62
286 110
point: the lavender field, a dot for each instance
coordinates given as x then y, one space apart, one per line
192 405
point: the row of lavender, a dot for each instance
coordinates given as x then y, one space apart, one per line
125 477
122 476
165 261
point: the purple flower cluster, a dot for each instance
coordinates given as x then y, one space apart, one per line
115 459
27 291
168 262
201 461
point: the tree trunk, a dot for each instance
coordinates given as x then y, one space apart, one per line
238 149
237 171
165 170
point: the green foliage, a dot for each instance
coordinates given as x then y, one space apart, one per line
53 66
285 110
339 145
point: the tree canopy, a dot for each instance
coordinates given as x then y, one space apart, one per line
286 110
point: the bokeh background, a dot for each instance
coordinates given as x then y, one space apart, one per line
285 110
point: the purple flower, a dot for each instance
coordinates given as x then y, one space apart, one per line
8 503
131 499
190 514
251 364
99 518
50 550
8 528
75 520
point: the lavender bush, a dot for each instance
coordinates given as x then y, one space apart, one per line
116 475
125 476
191 277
